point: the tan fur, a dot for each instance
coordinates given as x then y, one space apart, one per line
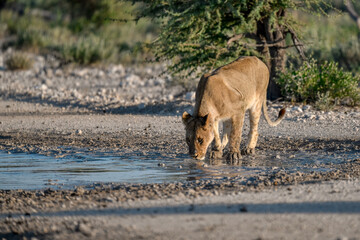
225 95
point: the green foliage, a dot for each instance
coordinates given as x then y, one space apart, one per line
347 55
87 51
82 35
332 38
18 61
79 15
325 84
210 33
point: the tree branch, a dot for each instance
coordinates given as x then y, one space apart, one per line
297 43
241 35
351 10
263 44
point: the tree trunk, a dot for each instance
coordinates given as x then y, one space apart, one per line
352 12
277 58
274 55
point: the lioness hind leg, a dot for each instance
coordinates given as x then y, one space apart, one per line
216 151
255 114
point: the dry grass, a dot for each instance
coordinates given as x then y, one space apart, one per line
18 61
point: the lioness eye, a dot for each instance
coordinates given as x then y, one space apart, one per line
200 140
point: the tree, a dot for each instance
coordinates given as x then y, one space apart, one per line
352 12
206 34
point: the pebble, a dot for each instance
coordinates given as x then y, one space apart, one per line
79 132
80 190
309 116
296 109
190 96
306 107
84 229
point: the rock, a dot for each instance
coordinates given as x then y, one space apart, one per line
133 79
80 190
79 132
296 109
49 73
100 74
170 97
81 72
43 87
306 107
59 72
309 116
159 82
190 96
141 106
117 69
84 229
109 199
319 117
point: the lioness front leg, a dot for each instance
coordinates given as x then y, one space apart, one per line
235 138
216 151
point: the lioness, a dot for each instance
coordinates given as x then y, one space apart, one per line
225 95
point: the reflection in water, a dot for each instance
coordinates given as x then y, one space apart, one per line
81 166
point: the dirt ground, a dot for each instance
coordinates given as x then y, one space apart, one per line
275 205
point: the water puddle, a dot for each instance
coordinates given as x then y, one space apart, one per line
82 167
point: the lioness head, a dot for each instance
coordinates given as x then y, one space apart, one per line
199 134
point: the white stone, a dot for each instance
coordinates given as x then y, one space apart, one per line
190 96
306 107
319 117
119 69
296 109
170 97
43 87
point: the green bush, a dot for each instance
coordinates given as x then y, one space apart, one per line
330 38
348 55
18 61
31 40
84 38
323 84
87 50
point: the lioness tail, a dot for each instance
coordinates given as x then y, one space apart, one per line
267 118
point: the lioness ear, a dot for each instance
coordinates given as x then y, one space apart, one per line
205 120
186 117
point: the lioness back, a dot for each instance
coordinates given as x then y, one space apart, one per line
248 73
234 86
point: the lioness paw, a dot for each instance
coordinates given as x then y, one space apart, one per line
233 158
248 151
216 154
